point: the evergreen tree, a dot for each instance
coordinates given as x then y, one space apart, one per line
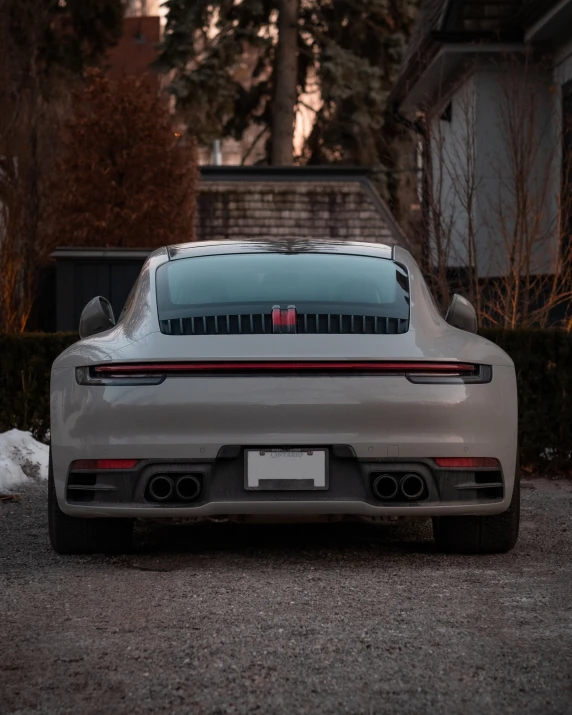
360 47
351 49
59 36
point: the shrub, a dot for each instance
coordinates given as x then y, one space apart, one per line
25 363
126 175
543 360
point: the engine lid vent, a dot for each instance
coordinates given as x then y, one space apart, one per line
306 323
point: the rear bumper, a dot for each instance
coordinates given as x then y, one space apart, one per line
189 420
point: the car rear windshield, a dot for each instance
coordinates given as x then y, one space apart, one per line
252 284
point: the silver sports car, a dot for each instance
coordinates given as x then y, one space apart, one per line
286 380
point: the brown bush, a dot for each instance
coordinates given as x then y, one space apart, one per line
126 177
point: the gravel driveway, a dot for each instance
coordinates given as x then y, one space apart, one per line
342 618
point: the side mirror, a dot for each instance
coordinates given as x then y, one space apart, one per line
96 317
462 315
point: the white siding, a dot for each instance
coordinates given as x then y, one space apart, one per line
563 64
450 144
534 127
473 161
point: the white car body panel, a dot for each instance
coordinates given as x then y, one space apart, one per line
193 417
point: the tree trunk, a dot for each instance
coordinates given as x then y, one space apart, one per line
286 76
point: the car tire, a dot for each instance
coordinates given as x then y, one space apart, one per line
495 534
73 535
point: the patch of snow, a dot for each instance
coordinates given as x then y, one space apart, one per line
549 453
21 457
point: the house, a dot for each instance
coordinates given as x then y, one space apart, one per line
488 88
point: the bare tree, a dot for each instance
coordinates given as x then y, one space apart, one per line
25 147
525 212
450 186
494 201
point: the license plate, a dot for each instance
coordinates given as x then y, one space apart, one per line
290 469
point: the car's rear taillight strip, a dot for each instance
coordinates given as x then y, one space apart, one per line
153 373
166 368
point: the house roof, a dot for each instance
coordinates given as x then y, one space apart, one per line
443 22
307 202
533 10
421 48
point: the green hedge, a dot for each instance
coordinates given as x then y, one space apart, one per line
25 363
543 360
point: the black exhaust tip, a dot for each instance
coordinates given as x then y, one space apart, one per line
188 487
385 487
412 486
161 488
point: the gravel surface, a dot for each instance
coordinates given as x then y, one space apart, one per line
345 618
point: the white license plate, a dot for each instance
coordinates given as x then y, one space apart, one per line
288 469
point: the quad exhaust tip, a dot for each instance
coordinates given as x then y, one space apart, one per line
412 486
188 487
387 487
161 488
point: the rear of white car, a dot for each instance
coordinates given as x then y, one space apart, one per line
249 380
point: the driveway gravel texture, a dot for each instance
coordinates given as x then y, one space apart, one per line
332 618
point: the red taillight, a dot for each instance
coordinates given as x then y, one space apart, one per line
103 464
291 318
283 320
276 318
424 368
468 462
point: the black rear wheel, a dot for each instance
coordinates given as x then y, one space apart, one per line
495 534
73 535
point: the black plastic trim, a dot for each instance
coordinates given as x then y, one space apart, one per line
349 480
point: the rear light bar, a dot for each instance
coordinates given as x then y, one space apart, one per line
103 464
395 367
153 373
468 462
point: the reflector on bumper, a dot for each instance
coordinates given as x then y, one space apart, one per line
468 462
103 464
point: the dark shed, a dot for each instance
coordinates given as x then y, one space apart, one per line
83 273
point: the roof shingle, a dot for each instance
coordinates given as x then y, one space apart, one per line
245 205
